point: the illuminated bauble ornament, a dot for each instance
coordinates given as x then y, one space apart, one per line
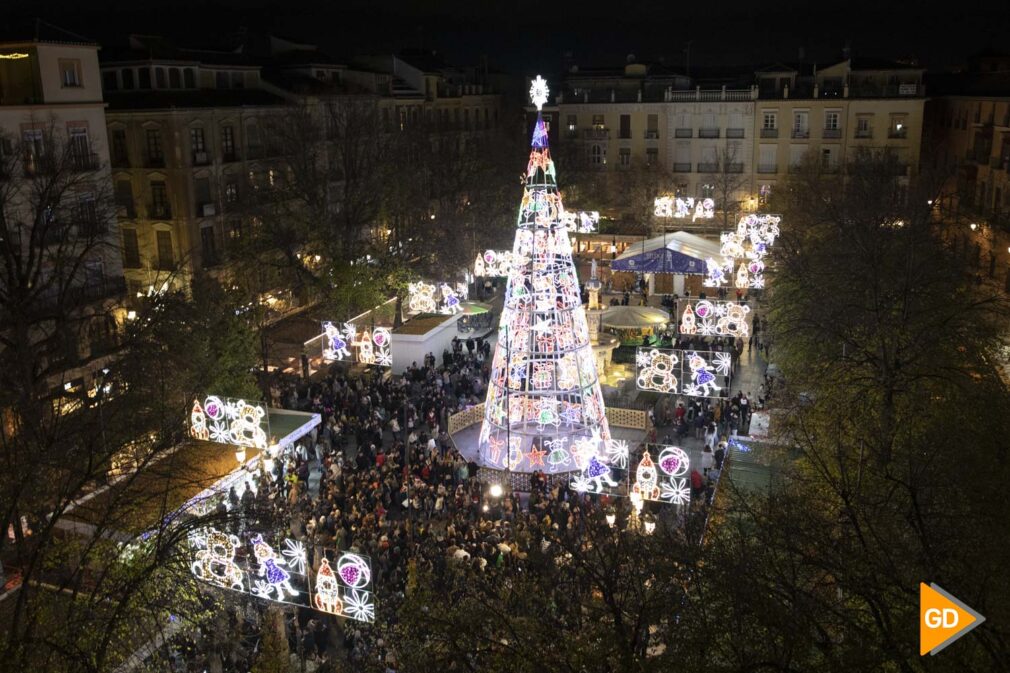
353 571
673 461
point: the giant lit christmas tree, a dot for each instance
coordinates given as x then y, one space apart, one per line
544 407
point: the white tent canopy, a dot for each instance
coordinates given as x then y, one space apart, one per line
634 317
667 254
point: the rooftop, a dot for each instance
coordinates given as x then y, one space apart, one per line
195 98
37 30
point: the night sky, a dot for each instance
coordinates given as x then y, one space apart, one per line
524 36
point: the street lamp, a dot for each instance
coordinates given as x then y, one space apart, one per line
649 524
611 518
495 491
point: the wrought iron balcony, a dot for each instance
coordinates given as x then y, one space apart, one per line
831 133
683 133
801 133
596 134
708 166
768 168
708 133
769 133
735 133
682 167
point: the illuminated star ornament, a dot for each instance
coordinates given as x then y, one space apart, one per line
539 92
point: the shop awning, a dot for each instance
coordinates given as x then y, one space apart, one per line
679 252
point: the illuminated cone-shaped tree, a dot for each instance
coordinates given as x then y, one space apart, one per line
544 407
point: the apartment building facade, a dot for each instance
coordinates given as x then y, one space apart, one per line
968 124
750 131
187 137
52 124
828 114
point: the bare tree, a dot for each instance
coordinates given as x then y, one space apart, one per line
728 182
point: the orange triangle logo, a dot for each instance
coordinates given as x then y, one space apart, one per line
942 619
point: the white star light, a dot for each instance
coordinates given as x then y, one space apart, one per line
538 92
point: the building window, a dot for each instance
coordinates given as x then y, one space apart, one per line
174 78
70 72
159 78
124 198
35 150
228 143
237 80
188 80
110 80
159 201
573 122
764 192
127 76
598 122
80 148
166 258
827 157
801 121
145 78
198 145
230 192
155 153
831 121
898 127
707 191
652 127
596 154
131 249
625 156
770 120
120 156
651 156
625 130
221 79
235 228
864 128
208 246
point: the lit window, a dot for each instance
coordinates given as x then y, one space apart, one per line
70 72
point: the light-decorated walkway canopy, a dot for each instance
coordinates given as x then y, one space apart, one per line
679 252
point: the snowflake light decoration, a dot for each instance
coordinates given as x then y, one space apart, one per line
539 92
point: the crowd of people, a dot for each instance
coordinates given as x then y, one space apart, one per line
380 477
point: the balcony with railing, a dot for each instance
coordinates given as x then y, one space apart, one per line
800 133
768 168
864 133
682 167
596 134
652 135
769 133
897 133
829 134
201 158
708 133
734 167
708 166
683 133
735 133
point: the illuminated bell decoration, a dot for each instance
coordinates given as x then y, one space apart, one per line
327 595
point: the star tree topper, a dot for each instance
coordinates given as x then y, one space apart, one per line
539 91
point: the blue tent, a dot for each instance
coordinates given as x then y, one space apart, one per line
678 252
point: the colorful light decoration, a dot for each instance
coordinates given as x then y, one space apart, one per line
539 92
544 395
493 263
750 243
683 208
341 587
230 421
709 317
581 222
372 347
662 480
442 298
691 373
